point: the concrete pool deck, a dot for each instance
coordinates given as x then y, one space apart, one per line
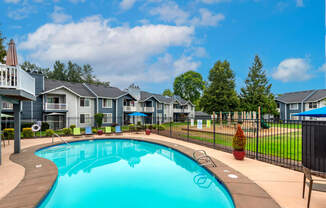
282 184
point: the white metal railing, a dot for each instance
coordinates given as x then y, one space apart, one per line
177 110
129 108
56 106
13 77
148 109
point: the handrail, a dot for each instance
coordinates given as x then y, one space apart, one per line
59 138
203 159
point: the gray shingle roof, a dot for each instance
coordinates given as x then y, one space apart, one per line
103 91
77 88
306 96
318 95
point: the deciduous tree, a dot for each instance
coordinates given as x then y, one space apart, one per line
220 95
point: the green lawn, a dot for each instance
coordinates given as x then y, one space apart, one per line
286 146
285 125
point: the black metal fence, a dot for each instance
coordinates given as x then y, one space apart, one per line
273 141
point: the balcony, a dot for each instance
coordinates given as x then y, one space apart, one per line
149 109
129 108
7 106
12 77
55 106
177 110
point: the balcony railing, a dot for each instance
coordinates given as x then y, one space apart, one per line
12 77
7 106
148 109
177 110
55 106
129 108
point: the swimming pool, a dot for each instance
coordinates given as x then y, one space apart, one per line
129 173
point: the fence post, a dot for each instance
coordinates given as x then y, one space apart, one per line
170 127
188 129
257 136
158 128
214 128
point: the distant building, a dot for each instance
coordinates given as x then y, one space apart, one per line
62 104
291 103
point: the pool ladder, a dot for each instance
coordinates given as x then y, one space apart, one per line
62 139
203 159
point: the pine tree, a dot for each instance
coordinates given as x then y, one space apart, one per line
220 95
257 91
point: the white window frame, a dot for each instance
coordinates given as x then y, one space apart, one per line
87 120
159 106
296 108
89 102
108 115
110 103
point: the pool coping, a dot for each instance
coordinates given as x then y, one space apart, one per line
41 174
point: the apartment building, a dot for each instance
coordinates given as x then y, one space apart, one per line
62 104
295 102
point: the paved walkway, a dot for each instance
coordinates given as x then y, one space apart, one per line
284 185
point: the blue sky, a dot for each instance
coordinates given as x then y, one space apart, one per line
149 42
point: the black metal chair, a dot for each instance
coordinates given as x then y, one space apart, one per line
312 186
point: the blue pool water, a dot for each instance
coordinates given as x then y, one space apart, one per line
128 173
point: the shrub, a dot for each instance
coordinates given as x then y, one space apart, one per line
132 127
94 130
45 126
239 140
49 132
150 127
27 132
161 128
9 133
138 123
66 131
26 125
98 119
72 126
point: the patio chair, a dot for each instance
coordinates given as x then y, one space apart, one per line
76 132
88 131
108 130
312 186
118 130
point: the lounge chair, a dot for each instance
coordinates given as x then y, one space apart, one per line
118 130
88 131
76 132
312 185
108 130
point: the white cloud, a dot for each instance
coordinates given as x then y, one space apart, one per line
299 3
323 68
185 63
58 16
207 18
200 52
22 12
214 1
118 54
170 12
127 4
293 69
12 1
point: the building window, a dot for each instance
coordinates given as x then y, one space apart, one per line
107 117
293 117
277 105
107 103
159 106
312 105
84 102
84 118
294 106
